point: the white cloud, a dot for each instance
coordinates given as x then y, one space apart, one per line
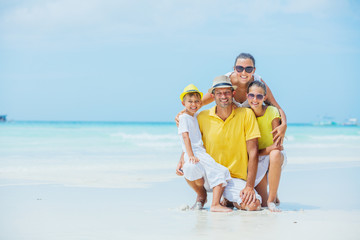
81 22
67 13
258 10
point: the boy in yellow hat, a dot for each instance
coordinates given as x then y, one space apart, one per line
201 171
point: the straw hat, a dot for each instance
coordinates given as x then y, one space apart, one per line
221 82
188 89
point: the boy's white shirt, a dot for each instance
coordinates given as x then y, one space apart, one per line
190 124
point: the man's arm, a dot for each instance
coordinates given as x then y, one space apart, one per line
248 193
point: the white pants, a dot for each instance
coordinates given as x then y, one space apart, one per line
233 189
212 172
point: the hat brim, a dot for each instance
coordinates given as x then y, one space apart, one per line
212 89
191 91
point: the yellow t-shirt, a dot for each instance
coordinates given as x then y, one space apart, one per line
265 126
225 141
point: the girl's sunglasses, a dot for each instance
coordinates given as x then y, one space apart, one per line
240 69
258 96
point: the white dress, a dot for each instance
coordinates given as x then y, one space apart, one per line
212 172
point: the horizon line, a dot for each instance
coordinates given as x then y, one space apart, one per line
141 122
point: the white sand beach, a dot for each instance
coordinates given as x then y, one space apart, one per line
314 205
71 181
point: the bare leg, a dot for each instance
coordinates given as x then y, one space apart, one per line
215 205
198 186
261 188
276 161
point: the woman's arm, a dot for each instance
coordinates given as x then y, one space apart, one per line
266 151
279 131
207 99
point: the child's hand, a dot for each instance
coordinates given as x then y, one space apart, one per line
179 170
194 159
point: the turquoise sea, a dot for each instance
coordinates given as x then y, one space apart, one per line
137 154
111 180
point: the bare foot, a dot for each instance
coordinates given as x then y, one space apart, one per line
219 208
277 201
272 207
199 204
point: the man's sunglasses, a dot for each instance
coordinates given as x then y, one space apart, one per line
240 69
258 96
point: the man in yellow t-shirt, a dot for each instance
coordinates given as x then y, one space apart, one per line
231 138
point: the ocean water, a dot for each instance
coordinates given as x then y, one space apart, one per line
138 155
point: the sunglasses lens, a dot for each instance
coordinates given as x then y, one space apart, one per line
251 95
249 69
259 97
239 69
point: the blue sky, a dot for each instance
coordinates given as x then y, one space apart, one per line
97 60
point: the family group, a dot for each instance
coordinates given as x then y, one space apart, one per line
234 149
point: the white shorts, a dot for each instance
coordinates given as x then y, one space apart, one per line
263 167
233 189
212 172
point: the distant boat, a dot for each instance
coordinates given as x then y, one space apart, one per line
326 121
351 122
2 118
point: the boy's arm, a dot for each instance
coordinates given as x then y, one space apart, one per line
179 170
248 193
189 151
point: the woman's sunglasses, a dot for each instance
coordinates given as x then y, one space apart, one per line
258 96
240 69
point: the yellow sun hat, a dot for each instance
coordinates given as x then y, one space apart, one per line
188 89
